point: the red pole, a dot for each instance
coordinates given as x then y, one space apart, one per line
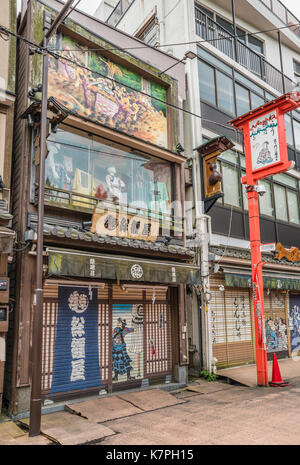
258 292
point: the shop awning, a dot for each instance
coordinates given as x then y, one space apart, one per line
269 281
71 263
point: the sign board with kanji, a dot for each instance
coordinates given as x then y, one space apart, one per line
265 137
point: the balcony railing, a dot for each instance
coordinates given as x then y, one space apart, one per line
60 198
241 53
284 14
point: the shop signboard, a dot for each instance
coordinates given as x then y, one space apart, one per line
120 224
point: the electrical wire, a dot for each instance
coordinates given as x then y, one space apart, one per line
232 36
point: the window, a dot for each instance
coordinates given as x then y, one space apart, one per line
280 203
256 101
207 82
231 185
297 134
255 44
293 205
266 201
225 92
288 129
88 169
150 32
242 100
296 68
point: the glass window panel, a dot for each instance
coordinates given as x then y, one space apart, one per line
297 67
244 191
256 101
242 100
293 203
213 60
269 96
255 45
280 203
87 167
231 185
297 134
242 160
288 129
225 24
241 35
266 200
225 92
243 80
230 155
286 179
207 82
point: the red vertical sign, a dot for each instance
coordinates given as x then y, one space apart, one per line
266 154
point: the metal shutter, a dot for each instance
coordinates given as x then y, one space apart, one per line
231 324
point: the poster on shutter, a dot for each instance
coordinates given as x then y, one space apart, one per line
127 342
76 352
294 323
264 141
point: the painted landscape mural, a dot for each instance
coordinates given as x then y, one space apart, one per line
108 93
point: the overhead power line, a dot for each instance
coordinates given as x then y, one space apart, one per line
216 39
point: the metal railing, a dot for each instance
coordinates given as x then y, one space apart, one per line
284 14
241 53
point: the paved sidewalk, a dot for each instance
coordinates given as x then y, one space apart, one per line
247 374
203 413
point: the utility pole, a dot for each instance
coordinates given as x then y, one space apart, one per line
35 401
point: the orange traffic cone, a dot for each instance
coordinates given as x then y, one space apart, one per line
276 376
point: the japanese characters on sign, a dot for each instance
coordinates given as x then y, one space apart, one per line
124 225
264 141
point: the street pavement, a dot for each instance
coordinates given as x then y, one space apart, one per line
236 415
204 413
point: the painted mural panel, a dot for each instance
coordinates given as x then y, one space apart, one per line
275 322
127 342
108 93
294 322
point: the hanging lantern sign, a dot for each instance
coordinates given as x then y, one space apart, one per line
265 138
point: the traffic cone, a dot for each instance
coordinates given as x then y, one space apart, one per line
276 376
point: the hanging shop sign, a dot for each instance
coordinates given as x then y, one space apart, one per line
76 353
292 254
120 224
265 138
70 263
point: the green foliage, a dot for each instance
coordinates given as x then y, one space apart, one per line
208 376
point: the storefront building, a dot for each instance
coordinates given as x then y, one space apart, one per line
232 320
115 259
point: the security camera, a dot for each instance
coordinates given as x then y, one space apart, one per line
260 189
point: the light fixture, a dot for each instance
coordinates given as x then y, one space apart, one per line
189 54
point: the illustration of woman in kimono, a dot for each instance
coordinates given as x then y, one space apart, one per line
121 360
